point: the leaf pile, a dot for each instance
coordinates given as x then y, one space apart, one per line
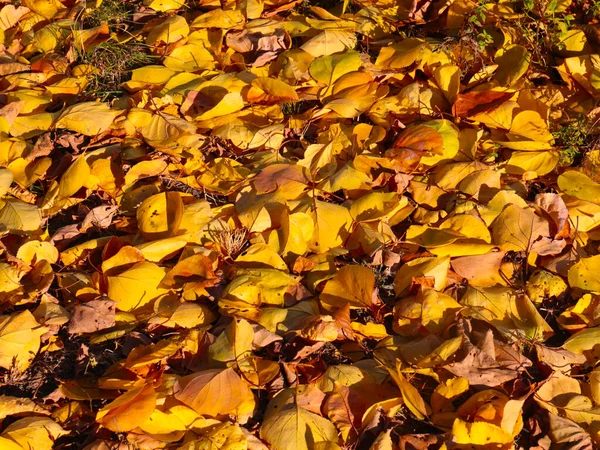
271 224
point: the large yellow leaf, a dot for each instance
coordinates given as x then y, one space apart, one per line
265 90
159 216
331 225
410 394
215 393
75 177
6 179
89 118
584 340
172 29
15 405
292 427
579 185
327 69
518 228
129 410
513 62
481 434
16 215
135 286
403 54
189 58
220 436
584 274
219 18
234 344
435 269
19 340
352 284
164 5
33 432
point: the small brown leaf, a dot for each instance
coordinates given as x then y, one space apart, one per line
475 102
93 316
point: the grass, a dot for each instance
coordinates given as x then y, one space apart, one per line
113 62
574 140
113 12
295 108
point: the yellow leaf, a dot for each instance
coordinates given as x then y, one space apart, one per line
518 228
28 172
584 340
148 76
164 5
329 42
230 103
135 286
261 255
189 58
89 118
15 405
265 90
221 436
579 185
218 18
481 434
513 62
447 77
159 216
584 274
45 8
351 284
34 251
215 393
34 432
383 441
294 428
32 125
234 344
16 215
328 69
20 340
541 163
434 268
129 410
7 444
403 54
75 177
170 30
6 179
331 224
410 395
258 286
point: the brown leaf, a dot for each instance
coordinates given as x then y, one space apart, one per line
260 48
475 102
311 399
278 175
547 246
11 111
419 441
558 358
99 217
412 144
483 366
555 207
566 434
93 316
341 412
481 270
43 147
